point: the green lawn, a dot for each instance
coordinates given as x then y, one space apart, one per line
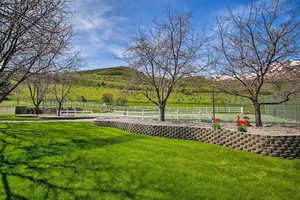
83 161
15 118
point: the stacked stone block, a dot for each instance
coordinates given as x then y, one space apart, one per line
276 146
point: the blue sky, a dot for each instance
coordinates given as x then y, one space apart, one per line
103 28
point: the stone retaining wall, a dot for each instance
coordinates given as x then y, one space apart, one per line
276 146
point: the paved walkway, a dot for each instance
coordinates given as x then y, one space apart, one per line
46 121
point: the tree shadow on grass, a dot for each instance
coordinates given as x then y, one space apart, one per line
51 165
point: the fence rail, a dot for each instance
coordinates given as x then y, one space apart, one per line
71 112
178 114
142 112
282 113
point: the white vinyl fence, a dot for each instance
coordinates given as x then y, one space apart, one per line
140 112
203 113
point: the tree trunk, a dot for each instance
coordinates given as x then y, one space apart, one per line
162 112
37 109
258 121
59 109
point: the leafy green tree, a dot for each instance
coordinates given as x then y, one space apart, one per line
107 98
121 101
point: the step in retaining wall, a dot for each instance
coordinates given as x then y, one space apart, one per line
275 146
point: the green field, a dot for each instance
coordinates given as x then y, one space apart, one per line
92 84
83 161
15 118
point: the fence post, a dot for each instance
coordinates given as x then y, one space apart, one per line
242 110
142 114
158 114
177 114
126 114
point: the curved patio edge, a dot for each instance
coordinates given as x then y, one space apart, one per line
275 146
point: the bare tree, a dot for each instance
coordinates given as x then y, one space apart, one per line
30 32
64 80
38 86
163 56
19 93
255 43
62 89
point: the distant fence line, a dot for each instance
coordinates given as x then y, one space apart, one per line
284 111
289 110
152 112
145 111
144 114
225 109
176 114
237 109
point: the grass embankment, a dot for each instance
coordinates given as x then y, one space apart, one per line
82 161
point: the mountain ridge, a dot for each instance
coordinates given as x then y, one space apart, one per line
110 71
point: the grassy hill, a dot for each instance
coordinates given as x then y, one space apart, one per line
110 71
116 80
92 84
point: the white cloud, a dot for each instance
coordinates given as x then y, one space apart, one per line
101 44
97 27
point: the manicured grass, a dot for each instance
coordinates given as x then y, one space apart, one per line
15 118
83 161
